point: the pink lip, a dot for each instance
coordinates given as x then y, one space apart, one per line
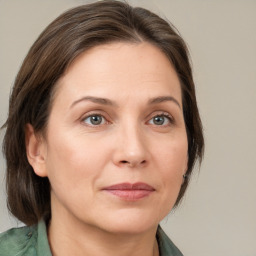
130 192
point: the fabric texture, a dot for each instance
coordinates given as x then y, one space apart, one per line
32 241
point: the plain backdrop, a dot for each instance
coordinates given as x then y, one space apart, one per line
218 215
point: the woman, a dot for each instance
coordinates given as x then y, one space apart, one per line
102 135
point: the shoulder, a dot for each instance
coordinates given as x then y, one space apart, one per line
166 246
18 241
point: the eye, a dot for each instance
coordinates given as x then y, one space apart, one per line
94 120
163 119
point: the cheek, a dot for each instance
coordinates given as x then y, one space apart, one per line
72 160
173 155
172 161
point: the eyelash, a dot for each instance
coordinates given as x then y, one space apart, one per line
163 114
93 115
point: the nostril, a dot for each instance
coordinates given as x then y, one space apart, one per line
132 163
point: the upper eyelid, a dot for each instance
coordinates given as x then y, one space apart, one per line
94 113
160 113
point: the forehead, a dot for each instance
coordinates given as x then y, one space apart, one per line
120 68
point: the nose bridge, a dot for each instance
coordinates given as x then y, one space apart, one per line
132 148
134 142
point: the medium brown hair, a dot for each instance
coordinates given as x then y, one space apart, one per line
72 33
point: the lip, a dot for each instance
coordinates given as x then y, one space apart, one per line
130 191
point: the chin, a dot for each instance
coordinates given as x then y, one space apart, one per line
130 223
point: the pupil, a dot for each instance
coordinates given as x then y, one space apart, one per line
96 119
158 120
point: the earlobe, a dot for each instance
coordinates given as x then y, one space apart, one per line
185 175
36 151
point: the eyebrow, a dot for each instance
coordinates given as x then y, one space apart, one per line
163 99
97 100
104 101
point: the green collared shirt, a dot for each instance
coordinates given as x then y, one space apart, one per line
32 241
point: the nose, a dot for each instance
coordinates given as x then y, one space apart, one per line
131 149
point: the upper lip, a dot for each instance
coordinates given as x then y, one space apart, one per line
130 186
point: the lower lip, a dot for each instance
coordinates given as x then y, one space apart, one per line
130 195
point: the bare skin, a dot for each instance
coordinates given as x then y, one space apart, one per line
116 119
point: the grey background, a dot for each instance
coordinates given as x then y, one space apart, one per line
217 216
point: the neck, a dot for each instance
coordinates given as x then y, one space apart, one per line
72 238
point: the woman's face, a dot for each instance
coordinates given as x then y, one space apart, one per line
116 144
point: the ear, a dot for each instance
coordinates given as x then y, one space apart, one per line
36 151
185 169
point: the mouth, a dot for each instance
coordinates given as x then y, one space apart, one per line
130 192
